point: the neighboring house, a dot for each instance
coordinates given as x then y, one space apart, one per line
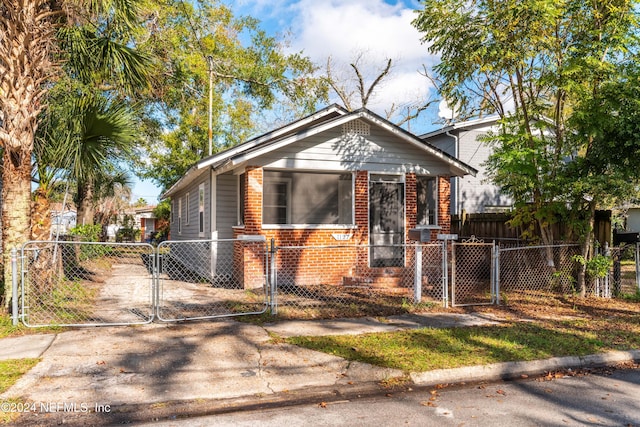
331 178
471 193
62 219
145 221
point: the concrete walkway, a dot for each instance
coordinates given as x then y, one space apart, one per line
160 367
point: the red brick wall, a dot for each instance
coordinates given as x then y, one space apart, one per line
444 204
326 266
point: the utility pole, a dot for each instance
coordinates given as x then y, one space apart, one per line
210 61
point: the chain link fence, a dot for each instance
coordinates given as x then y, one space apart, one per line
472 273
330 281
85 284
624 277
206 279
537 270
81 283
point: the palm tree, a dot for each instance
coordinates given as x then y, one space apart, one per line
31 36
107 134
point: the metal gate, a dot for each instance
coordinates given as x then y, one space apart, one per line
68 283
473 273
208 279
62 284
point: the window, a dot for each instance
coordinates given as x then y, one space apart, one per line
307 198
427 200
180 215
277 201
201 210
187 211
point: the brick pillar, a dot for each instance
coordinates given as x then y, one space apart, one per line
248 257
361 197
444 204
253 200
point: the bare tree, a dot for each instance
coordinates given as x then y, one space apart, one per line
349 89
357 83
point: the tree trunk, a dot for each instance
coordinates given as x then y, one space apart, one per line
16 209
26 47
85 204
41 216
586 251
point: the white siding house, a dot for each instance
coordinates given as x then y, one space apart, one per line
330 177
471 193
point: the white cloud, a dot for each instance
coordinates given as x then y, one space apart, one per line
343 29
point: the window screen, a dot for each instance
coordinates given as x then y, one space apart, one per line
427 198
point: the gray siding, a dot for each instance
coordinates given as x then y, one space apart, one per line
471 193
226 205
381 151
476 192
191 229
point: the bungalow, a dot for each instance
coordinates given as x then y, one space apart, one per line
332 178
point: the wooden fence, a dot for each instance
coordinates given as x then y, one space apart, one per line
495 226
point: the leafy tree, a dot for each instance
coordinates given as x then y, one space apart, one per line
549 69
249 71
31 33
162 213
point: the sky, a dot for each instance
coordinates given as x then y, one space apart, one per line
342 29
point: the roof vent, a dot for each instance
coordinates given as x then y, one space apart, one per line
356 127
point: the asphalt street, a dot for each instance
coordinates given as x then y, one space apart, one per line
604 397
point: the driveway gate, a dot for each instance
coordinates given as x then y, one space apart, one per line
64 283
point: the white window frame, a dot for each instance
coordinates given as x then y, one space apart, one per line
180 215
201 210
186 222
435 190
287 206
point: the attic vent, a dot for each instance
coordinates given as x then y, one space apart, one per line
356 127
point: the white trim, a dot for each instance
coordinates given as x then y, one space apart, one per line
461 125
186 221
309 227
179 215
288 201
252 237
201 210
437 194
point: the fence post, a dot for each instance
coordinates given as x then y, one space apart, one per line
607 283
417 283
14 286
445 275
495 273
273 289
637 266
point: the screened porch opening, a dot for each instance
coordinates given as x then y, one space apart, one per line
307 198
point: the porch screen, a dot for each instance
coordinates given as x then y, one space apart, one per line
307 198
427 196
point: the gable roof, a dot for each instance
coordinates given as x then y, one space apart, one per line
323 120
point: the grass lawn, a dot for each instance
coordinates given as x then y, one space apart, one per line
533 329
12 370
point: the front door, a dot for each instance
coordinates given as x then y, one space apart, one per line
386 221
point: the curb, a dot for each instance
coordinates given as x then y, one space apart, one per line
509 370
